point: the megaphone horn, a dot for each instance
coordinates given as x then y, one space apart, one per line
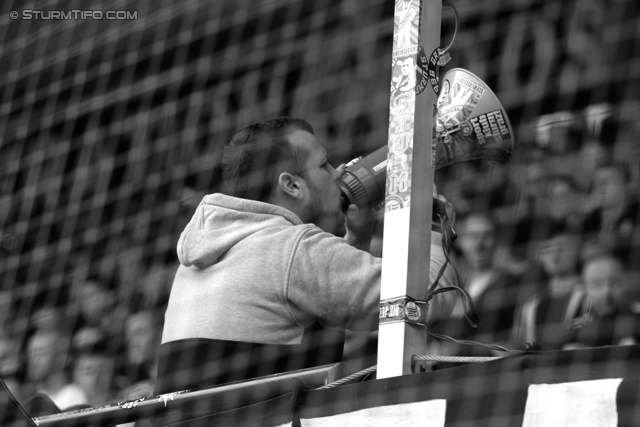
469 124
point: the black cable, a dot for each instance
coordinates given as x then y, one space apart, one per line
448 236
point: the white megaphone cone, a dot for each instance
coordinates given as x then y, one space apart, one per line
469 124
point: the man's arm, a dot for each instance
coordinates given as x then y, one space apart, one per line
333 282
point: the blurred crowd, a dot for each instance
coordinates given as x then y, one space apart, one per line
94 346
548 248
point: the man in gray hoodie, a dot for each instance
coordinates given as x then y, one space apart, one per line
269 259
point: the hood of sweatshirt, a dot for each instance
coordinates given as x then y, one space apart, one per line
221 221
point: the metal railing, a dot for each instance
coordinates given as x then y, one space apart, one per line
188 404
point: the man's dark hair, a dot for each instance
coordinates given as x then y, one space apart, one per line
256 155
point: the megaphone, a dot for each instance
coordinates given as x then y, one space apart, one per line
469 124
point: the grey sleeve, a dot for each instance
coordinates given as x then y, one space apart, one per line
334 283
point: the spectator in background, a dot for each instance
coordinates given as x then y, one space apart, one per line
612 222
559 207
94 375
143 334
536 320
559 257
94 305
610 315
564 201
528 223
47 357
92 300
47 318
595 313
495 292
604 285
591 156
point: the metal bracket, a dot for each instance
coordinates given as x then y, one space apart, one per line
403 309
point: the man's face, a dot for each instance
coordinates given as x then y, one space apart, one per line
563 200
559 255
94 372
604 284
322 204
94 302
477 242
43 356
142 338
609 185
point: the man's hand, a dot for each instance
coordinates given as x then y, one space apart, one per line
360 227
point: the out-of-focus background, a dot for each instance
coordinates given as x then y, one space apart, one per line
111 131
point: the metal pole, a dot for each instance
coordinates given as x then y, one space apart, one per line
408 198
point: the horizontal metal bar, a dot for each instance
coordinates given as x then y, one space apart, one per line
187 404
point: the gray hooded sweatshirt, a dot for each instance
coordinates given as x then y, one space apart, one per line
253 272
253 276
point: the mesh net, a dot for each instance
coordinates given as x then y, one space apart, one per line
113 119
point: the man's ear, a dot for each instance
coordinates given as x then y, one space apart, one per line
291 185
